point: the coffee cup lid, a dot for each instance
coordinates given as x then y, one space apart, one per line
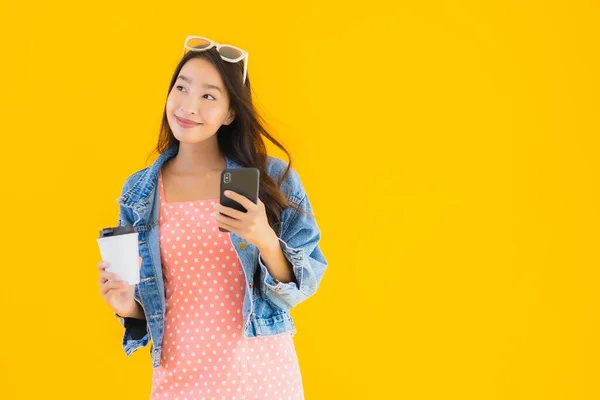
115 231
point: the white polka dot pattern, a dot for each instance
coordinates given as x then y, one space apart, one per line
204 355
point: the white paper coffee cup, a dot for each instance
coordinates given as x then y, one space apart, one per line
119 247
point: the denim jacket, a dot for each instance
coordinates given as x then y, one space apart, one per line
267 302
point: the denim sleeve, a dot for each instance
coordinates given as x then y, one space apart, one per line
135 329
299 240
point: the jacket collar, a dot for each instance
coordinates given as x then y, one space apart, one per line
139 195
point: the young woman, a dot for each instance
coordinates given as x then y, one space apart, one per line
216 305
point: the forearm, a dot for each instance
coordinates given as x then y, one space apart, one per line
137 312
278 265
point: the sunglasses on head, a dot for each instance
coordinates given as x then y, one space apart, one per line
227 52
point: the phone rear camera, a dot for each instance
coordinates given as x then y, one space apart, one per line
227 177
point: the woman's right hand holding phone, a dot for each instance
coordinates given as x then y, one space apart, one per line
118 293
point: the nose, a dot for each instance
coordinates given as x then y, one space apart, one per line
191 106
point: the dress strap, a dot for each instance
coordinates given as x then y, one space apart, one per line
160 187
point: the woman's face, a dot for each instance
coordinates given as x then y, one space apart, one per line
198 95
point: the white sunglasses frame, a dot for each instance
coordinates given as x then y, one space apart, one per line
212 44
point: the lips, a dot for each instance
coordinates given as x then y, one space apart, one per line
186 122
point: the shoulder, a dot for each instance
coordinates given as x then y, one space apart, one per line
133 179
292 185
136 176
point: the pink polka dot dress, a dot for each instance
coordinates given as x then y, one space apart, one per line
204 354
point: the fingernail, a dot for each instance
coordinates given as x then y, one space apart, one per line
227 192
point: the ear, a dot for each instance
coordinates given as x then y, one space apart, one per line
230 117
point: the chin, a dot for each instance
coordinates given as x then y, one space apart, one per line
189 137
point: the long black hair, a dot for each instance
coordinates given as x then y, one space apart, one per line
241 140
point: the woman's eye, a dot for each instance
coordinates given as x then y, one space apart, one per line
178 87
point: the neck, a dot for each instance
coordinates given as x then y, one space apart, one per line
198 158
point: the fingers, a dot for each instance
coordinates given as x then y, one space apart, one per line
113 285
110 281
230 212
108 276
225 220
244 201
225 225
102 265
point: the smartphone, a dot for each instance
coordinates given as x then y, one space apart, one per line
244 181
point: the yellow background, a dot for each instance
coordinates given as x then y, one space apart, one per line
450 149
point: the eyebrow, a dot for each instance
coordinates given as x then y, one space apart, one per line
205 85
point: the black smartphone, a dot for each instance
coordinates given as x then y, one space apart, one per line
244 181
